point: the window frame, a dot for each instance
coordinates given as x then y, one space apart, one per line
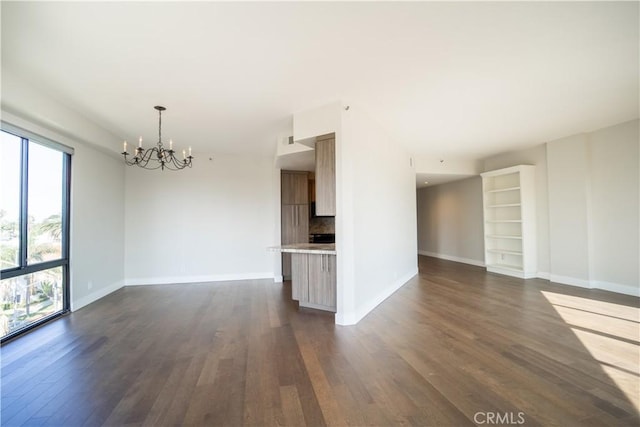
24 268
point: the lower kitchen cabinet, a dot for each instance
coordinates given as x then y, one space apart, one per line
299 277
295 229
313 280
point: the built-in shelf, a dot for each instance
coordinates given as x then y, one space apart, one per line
504 236
500 221
510 220
500 190
504 205
504 251
508 267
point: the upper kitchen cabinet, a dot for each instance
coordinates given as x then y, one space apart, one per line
325 181
294 188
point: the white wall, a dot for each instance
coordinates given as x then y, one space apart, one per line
382 213
615 212
97 188
568 227
212 222
317 121
593 209
450 221
434 165
97 225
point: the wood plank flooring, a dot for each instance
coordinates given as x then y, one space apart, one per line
455 346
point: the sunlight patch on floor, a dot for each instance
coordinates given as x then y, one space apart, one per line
611 334
594 306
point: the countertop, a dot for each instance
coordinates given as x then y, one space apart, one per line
307 248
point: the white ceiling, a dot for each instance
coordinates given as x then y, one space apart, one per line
470 79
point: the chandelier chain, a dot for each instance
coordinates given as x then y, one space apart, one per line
160 127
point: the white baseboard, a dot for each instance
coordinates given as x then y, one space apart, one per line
596 284
453 258
563 280
512 273
345 319
543 275
616 287
278 279
359 314
572 281
77 304
197 279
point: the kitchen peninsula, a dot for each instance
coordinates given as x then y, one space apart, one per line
313 274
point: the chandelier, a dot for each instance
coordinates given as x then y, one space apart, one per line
157 157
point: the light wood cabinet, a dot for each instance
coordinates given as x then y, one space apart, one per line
294 229
322 280
510 221
325 181
299 277
294 225
294 188
314 280
286 266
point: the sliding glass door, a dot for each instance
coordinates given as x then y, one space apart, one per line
34 233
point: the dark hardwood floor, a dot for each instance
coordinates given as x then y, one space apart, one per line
454 346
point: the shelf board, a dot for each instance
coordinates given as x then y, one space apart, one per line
507 267
499 190
506 252
497 221
503 236
506 205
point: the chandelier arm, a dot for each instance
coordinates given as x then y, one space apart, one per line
148 154
146 158
141 161
186 162
175 164
129 162
150 168
170 163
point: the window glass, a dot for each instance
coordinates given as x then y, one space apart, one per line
44 242
28 298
